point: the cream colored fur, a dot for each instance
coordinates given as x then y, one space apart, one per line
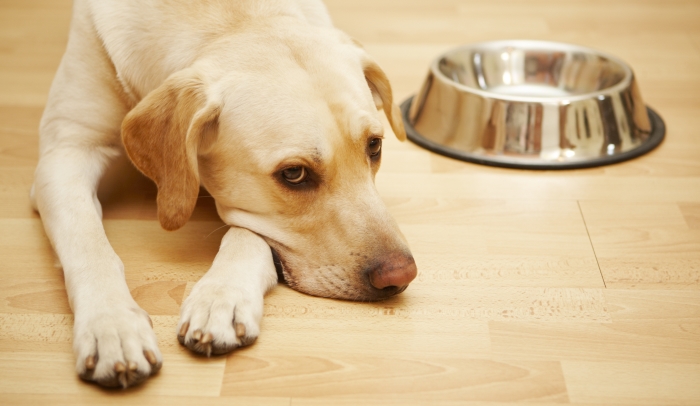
226 95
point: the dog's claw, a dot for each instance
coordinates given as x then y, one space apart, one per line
150 357
218 318
183 329
117 349
204 342
123 380
240 330
200 342
119 367
90 363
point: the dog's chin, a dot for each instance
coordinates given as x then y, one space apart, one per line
333 288
369 294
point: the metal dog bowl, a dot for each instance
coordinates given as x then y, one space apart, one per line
532 104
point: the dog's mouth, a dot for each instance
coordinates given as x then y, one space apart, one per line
279 267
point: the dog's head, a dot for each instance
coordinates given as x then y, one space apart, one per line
287 138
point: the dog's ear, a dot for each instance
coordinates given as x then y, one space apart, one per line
162 135
383 98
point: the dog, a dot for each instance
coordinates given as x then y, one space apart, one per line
264 104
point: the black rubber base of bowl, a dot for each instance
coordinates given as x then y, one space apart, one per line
658 131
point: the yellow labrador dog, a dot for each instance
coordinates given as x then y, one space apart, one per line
263 103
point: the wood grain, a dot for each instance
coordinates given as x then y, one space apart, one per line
53 373
620 341
639 383
644 244
394 378
540 287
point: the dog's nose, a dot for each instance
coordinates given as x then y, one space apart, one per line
396 271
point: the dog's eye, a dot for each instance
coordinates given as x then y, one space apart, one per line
375 147
294 175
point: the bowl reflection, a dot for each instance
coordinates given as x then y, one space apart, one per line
532 104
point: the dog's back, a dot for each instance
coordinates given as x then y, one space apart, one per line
149 40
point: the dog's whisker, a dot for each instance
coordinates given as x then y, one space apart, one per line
215 230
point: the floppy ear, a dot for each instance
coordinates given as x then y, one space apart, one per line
383 98
162 135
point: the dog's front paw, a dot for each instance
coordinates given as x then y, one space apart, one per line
116 346
218 318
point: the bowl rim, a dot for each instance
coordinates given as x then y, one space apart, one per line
534 44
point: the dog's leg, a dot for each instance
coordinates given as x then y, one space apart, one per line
224 309
112 338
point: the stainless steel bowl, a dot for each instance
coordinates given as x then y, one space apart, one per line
532 104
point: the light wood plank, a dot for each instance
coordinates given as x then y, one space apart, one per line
408 377
644 244
322 401
54 373
633 383
662 305
540 287
51 332
37 296
14 194
108 398
423 303
522 185
26 296
649 341
27 251
691 213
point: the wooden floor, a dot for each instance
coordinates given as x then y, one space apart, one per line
578 287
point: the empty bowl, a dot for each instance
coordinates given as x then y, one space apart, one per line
531 104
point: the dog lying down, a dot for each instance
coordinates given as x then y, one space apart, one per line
263 103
